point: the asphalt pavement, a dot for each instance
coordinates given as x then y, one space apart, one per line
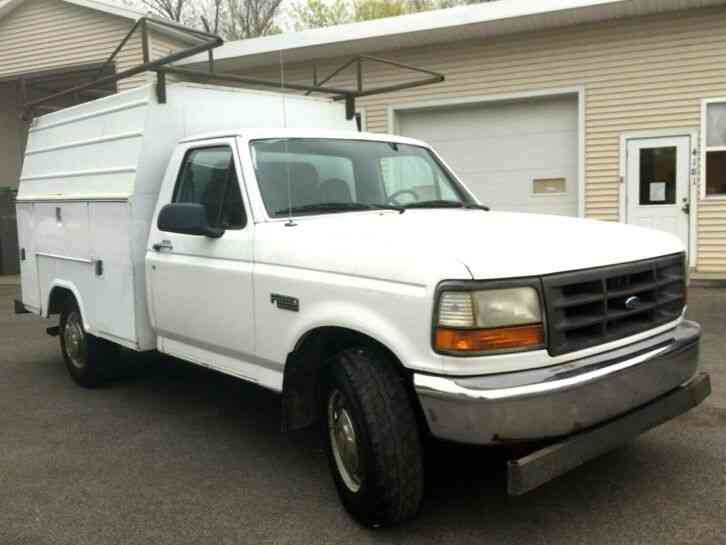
176 454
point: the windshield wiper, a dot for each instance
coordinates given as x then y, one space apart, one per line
447 204
332 207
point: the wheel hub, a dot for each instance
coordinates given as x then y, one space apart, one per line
343 441
74 337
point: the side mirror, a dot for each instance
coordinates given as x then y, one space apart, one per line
187 219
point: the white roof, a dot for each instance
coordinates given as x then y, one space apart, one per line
466 22
255 134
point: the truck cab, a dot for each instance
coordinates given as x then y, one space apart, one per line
358 277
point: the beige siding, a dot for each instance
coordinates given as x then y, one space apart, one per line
162 45
50 34
638 74
711 239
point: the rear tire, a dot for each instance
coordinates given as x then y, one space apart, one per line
372 437
90 360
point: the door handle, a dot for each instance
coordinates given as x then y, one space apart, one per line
163 245
686 208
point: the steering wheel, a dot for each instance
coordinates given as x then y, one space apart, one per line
393 198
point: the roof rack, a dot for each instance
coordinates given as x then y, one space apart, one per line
207 42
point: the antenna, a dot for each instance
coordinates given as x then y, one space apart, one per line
290 222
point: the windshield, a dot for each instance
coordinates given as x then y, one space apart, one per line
317 176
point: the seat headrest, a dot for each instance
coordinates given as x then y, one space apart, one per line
335 190
273 178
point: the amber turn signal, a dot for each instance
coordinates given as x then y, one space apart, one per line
489 340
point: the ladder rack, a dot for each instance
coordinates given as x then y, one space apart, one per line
207 42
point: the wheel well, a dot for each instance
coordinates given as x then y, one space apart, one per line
305 368
58 299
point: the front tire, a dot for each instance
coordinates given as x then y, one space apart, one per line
89 360
372 437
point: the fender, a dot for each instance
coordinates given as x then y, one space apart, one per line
402 344
70 286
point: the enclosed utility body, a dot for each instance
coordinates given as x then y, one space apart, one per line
89 187
260 235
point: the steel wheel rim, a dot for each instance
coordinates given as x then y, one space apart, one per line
343 441
74 337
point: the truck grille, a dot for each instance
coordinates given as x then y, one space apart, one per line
587 308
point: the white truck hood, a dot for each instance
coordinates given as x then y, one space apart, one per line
425 246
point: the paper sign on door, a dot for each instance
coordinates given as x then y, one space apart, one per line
657 192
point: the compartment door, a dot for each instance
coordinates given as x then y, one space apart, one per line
28 266
113 271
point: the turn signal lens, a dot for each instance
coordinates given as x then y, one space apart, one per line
472 341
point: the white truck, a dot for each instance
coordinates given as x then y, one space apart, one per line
262 236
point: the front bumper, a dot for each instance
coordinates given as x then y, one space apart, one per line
553 460
560 400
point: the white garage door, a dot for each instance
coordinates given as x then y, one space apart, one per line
517 156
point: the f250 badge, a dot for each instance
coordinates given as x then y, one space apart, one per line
285 302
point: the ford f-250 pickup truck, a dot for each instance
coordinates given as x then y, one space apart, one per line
357 276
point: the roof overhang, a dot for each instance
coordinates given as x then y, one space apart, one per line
108 8
477 21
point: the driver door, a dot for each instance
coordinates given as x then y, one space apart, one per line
201 287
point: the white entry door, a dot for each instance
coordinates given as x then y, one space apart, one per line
657 184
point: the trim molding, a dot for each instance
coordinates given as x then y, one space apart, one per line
90 141
65 258
71 174
79 198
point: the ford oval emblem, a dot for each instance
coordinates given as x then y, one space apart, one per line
632 302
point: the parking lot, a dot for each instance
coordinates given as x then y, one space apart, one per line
177 454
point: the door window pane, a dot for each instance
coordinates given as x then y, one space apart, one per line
208 178
716 173
549 186
716 124
658 176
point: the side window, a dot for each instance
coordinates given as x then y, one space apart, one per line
208 177
716 149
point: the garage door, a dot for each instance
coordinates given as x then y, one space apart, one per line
517 156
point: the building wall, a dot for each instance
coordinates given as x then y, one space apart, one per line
638 74
48 34
12 136
162 45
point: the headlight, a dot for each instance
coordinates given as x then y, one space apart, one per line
490 320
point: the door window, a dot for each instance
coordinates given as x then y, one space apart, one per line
658 171
208 177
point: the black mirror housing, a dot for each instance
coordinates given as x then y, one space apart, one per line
187 219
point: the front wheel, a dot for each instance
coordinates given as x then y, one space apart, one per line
89 360
373 440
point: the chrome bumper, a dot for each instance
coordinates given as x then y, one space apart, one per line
559 400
